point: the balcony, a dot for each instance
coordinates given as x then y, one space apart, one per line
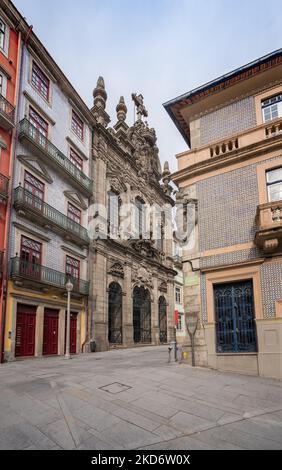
4 185
37 276
36 142
7 114
34 209
269 222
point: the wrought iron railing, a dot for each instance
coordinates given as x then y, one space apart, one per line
36 272
35 136
25 199
4 183
7 109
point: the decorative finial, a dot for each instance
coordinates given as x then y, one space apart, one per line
99 94
166 177
121 109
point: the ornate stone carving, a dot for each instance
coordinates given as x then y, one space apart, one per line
270 245
142 277
163 286
145 248
116 270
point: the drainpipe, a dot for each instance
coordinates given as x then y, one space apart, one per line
17 101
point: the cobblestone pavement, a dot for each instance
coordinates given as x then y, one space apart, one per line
134 399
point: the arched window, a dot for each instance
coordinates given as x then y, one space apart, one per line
141 315
114 203
162 319
139 216
115 313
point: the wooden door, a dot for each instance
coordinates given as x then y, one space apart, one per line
73 332
25 330
50 332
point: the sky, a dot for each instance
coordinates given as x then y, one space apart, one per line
160 48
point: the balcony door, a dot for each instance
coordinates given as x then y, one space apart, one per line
34 194
73 271
30 256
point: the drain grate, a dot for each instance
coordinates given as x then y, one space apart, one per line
115 388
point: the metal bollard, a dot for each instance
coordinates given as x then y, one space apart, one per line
169 353
173 346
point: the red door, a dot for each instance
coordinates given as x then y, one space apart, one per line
73 328
25 330
50 332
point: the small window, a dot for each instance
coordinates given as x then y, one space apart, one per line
77 125
179 325
74 213
76 159
274 184
272 108
1 85
178 295
2 34
37 121
40 81
114 204
140 217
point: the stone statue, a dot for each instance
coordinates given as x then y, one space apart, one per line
141 110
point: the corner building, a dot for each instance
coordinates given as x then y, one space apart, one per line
232 173
52 189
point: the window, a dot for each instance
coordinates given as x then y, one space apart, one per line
37 121
2 34
1 84
139 216
30 256
272 108
77 125
113 214
40 81
178 295
74 213
33 185
72 267
76 159
274 184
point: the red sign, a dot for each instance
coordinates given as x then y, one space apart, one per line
176 318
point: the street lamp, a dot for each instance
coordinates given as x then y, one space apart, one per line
191 320
69 287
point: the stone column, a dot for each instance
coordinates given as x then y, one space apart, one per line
155 312
39 331
170 311
100 313
127 312
62 329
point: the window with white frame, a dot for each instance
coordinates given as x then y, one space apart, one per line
2 34
178 295
3 84
274 184
272 108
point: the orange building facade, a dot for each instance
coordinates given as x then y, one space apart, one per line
10 40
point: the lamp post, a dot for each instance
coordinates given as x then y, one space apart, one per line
191 320
69 288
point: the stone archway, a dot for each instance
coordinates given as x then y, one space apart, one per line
141 315
115 313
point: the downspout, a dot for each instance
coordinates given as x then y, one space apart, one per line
17 100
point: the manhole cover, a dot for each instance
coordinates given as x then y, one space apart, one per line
115 388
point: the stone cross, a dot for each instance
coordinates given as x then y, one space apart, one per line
141 110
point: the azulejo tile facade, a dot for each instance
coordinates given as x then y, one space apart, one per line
234 172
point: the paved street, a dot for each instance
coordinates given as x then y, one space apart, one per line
134 399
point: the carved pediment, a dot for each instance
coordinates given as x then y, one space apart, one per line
76 198
142 277
34 164
145 248
116 183
116 269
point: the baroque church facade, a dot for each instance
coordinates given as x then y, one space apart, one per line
131 298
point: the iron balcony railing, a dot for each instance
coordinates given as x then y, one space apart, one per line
46 214
26 129
7 109
41 274
4 184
